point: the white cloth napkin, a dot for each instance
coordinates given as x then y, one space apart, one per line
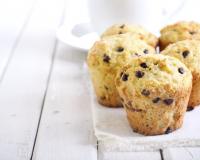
113 131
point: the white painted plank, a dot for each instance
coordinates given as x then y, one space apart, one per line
23 87
66 131
105 155
13 18
186 153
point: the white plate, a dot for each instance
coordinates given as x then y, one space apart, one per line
79 36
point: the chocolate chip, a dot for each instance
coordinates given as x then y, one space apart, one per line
106 87
145 92
137 54
192 32
106 58
168 101
156 100
139 74
181 70
120 49
190 108
185 53
143 65
146 51
125 77
122 26
120 32
168 130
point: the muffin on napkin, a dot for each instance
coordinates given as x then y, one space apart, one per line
188 52
179 31
155 90
136 31
106 57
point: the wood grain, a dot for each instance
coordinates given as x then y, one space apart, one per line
184 153
66 130
23 86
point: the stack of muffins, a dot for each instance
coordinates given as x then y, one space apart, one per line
154 89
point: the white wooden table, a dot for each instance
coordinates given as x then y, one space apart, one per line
41 116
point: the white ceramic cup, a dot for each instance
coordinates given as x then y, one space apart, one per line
152 14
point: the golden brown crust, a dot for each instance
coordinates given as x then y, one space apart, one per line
162 44
111 103
191 60
195 94
106 57
161 121
108 98
135 31
179 31
155 98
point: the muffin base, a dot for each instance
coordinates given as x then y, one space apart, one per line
141 127
195 94
108 99
109 103
157 121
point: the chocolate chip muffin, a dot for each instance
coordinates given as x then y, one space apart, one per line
135 31
155 90
179 31
188 52
106 57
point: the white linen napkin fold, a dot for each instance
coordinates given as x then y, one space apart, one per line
113 131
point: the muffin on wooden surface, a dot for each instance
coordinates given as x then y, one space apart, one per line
135 31
106 57
155 90
179 31
188 52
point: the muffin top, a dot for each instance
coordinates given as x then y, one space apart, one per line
136 31
115 51
188 52
154 77
180 31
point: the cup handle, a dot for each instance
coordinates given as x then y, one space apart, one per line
81 29
79 35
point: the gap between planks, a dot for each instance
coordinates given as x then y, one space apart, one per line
48 80
71 145
181 153
43 101
66 127
19 93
